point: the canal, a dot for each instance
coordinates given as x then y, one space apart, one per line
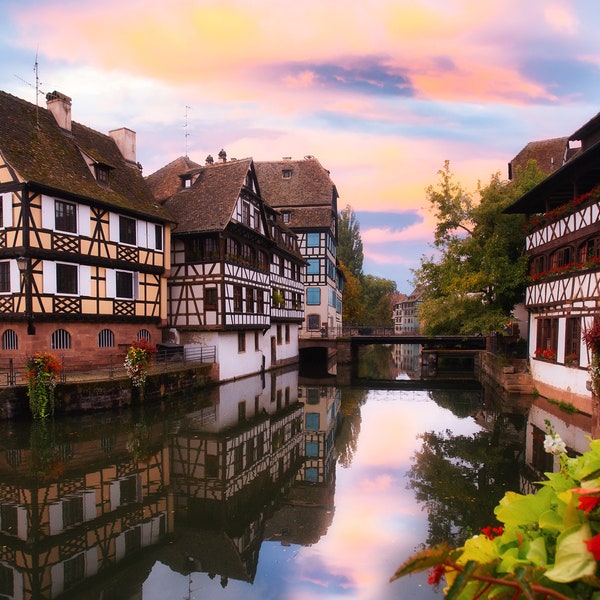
277 487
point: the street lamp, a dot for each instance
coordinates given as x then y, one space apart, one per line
23 265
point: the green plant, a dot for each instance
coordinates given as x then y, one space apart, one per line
42 371
591 337
547 544
138 361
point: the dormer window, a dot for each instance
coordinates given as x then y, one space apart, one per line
186 181
286 216
286 173
102 173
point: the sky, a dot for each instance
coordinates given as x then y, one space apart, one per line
382 93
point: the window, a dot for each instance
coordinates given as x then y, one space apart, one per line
212 465
9 519
547 337
286 173
158 237
233 248
210 298
260 302
287 333
72 509
286 216
263 260
74 570
7 583
313 266
143 334
538 265
313 421
572 340
65 216
66 278
127 231
313 322
124 284
128 490
279 338
237 298
4 276
241 411
102 173
60 340
313 240
561 258
312 449
256 341
10 340
250 299
313 295
246 214
186 181
241 341
106 339
589 250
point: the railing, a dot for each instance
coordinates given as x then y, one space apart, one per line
76 370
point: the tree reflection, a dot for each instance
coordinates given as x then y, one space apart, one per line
460 480
346 440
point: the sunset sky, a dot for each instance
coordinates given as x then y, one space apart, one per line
381 92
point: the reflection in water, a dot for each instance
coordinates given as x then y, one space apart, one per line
268 487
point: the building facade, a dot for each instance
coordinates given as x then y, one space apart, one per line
84 248
303 192
563 245
406 319
236 281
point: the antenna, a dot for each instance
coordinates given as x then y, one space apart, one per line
37 87
187 135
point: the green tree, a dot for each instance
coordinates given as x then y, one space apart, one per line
378 298
350 248
353 305
478 272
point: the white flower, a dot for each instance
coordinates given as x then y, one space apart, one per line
553 444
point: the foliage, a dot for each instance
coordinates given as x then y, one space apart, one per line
591 337
46 462
353 304
42 371
477 272
547 546
139 444
138 361
379 295
350 247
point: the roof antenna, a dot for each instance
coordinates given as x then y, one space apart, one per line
37 89
187 135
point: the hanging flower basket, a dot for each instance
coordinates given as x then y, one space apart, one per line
591 337
42 371
138 361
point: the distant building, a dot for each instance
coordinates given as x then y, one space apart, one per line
236 281
406 318
304 193
548 154
563 246
84 248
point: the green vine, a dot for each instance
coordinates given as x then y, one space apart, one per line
42 371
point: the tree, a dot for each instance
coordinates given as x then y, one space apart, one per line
353 303
378 299
478 272
350 248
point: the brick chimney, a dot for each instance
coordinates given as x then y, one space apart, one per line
222 156
60 106
125 140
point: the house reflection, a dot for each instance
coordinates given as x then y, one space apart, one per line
74 505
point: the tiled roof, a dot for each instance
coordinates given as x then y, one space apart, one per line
44 155
549 155
208 204
308 184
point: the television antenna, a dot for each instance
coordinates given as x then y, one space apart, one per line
36 70
187 134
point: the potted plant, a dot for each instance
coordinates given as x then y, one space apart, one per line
138 361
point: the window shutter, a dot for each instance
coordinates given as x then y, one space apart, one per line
83 216
15 276
142 235
111 283
7 213
91 561
47 212
85 280
89 505
56 520
49 276
113 222
115 494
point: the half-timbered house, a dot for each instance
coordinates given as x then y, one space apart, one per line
563 245
303 192
84 248
237 273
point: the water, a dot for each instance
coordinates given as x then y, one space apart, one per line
266 488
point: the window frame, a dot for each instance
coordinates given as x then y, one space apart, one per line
127 231
66 223
67 273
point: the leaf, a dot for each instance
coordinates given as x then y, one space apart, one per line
537 552
515 509
423 560
461 581
550 519
572 559
521 577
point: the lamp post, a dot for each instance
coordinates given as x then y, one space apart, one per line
23 265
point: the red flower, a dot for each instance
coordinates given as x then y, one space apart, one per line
492 532
593 546
589 498
436 574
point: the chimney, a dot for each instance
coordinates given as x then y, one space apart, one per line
60 106
125 140
223 156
